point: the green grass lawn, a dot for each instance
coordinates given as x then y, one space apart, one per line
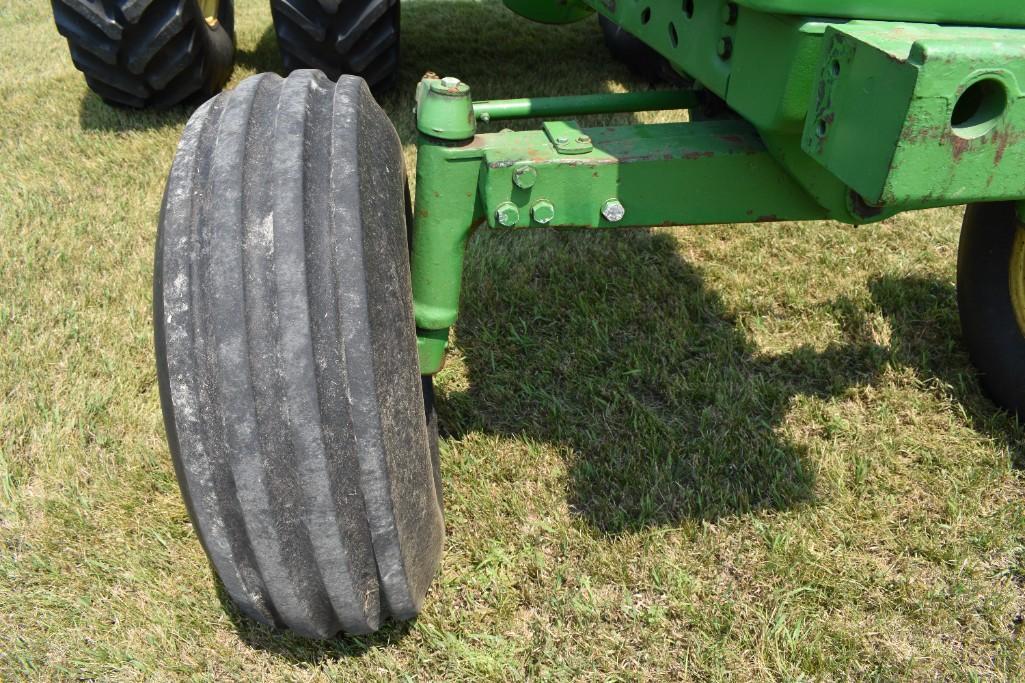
720 453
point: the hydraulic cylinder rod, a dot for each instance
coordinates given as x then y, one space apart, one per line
577 105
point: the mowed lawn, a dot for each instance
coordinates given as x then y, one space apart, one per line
746 453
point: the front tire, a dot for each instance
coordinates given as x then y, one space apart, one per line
302 434
991 299
149 53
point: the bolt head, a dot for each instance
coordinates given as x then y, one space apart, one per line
524 177
507 214
613 211
725 48
561 140
543 211
450 81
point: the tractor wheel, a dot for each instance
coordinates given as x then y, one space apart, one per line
359 37
991 299
301 432
643 61
149 53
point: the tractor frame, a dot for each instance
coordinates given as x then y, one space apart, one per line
876 109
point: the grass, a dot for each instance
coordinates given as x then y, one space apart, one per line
721 453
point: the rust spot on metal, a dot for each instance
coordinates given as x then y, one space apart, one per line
862 208
696 154
767 218
958 146
1003 139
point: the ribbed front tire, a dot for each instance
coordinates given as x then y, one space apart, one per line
148 53
359 37
302 434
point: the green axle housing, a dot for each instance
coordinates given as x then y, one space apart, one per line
853 111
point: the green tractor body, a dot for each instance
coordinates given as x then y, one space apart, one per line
852 111
302 306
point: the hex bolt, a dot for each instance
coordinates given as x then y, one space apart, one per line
725 47
729 13
543 211
613 211
561 140
524 176
507 214
583 139
450 81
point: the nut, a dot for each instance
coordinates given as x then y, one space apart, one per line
543 211
613 211
524 176
507 214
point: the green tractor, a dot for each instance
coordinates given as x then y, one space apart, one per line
303 300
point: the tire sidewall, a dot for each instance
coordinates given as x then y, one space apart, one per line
993 336
219 45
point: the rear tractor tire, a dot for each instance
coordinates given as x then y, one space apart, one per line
357 37
302 434
637 55
991 300
149 53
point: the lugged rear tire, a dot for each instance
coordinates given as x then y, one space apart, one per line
991 299
358 37
148 53
302 434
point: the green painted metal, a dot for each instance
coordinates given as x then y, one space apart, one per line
673 174
774 71
579 105
444 109
849 120
662 174
550 11
567 137
912 114
972 12
446 209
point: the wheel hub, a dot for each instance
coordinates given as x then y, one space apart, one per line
209 9
1016 278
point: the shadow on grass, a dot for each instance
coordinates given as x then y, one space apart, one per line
95 114
611 346
264 56
926 336
299 650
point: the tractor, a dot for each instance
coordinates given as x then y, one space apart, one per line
303 299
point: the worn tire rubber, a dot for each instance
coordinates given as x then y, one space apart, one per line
358 37
148 53
990 328
286 356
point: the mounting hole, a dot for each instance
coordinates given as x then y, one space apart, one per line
979 109
673 37
645 15
835 68
821 128
688 8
